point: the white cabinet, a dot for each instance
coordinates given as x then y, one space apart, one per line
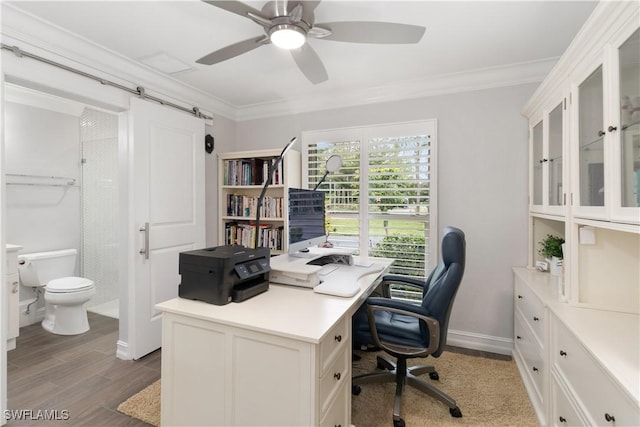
587 360
547 154
606 130
12 288
275 380
584 123
242 176
217 374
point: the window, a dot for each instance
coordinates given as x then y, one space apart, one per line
381 203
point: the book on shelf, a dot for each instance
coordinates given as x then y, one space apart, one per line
246 206
251 171
241 233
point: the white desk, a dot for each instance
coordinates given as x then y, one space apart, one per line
280 358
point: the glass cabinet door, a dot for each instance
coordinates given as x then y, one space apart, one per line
591 140
554 165
629 66
537 164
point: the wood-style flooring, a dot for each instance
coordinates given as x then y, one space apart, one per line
78 374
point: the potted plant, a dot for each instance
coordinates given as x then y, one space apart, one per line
551 250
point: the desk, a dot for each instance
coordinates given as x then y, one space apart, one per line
280 358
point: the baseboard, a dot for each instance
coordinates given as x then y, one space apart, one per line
122 351
480 342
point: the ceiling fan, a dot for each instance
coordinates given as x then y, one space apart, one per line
288 24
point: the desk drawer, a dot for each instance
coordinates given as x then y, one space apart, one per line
595 391
335 342
338 373
337 414
531 308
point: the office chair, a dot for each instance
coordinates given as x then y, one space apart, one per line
407 330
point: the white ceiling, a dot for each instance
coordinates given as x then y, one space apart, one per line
461 36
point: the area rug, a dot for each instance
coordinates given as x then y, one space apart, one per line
489 392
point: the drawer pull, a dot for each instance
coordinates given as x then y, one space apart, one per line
612 128
15 287
337 376
535 369
518 337
535 319
520 297
338 338
609 418
562 419
563 353
337 425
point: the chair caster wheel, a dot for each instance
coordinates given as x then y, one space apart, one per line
455 412
398 423
434 376
355 390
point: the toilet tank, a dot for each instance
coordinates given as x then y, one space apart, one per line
37 269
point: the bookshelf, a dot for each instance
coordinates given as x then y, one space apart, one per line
242 175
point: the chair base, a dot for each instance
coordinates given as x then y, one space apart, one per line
401 376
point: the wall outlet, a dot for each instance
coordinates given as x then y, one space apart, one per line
542 266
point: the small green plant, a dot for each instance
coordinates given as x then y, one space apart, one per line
551 246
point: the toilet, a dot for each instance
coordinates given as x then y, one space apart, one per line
65 295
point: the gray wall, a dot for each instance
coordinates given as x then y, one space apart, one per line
482 182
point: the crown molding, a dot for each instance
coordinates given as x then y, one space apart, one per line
479 79
45 39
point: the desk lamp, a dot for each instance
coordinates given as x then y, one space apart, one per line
267 183
333 164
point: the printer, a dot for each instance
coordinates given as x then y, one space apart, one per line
223 274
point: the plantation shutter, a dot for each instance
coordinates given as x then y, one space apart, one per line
380 203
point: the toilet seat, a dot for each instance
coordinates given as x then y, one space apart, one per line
67 285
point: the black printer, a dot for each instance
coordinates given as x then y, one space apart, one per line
223 274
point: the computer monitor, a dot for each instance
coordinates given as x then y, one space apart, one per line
306 220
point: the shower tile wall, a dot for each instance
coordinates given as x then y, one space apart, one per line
99 138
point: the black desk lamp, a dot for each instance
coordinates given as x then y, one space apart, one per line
267 183
333 164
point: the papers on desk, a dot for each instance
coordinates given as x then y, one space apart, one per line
343 281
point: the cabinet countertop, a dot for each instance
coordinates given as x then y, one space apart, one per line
612 338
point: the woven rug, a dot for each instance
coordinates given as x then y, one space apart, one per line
489 392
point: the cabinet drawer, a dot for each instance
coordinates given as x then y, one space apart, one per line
531 308
338 373
337 415
335 341
531 353
563 413
595 391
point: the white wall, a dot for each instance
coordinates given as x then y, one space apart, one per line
482 163
46 143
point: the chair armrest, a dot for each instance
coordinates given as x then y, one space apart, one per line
418 312
400 280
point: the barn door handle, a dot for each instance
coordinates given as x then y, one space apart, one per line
145 251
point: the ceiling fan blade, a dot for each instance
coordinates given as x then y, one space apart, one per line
233 50
373 32
234 7
310 64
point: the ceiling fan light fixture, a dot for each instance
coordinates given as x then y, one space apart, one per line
287 36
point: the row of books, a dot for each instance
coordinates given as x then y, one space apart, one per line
246 206
237 233
250 172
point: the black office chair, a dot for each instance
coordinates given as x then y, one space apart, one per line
405 330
